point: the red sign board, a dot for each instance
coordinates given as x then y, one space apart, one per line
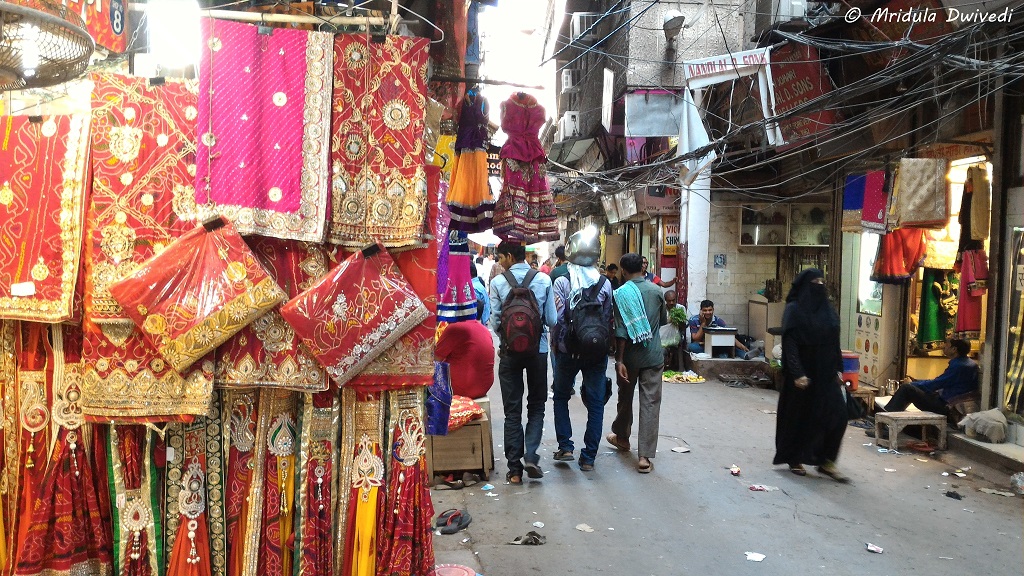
798 77
105 20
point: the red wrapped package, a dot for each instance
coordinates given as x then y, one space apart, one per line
197 293
355 312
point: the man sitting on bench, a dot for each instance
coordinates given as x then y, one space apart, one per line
960 377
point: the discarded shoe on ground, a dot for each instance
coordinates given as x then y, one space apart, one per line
531 538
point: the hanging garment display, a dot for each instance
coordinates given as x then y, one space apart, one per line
458 300
469 196
355 312
10 434
900 253
405 534
62 529
240 425
525 212
364 486
43 183
277 522
968 237
316 494
920 196
448 52
876 201
194 496
410 361
853 203
267 352
981 200
938 308
263 124
1013 388
143 164
378 187
973 285
940 251
138 524
125 378
197 293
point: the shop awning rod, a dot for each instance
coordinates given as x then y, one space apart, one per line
296 18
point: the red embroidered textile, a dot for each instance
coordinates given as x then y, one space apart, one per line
973 284
143 163
316 495
264 118
378 186
267 352
525 211
410 362
900 253
355 312
241 405
197 293
43 178
876 201
125 378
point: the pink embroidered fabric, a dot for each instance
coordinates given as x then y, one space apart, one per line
264 129
355 313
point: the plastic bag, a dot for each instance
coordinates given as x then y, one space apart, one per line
669 336
356 312
1017 482
199 291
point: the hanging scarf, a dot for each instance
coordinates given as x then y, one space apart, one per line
580 278
631 307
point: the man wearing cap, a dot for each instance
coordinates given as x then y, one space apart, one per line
579 285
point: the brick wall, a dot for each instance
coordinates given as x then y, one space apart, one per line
746 268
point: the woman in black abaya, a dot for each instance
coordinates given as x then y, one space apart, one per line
812 408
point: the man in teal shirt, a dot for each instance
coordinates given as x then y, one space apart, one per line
639 314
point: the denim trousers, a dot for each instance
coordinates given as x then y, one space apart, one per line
520 444
592 395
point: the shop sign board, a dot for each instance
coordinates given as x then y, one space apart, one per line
106 22
799 77
670 235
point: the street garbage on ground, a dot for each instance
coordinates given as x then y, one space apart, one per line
1017 482
531 538
755 556
873 548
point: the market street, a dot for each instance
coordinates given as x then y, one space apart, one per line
690 516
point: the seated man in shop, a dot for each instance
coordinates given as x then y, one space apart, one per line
707 319
935 395
468 348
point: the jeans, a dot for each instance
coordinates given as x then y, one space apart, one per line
592 394
650 384
520 444
909 394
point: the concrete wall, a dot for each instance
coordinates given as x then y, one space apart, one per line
746 269
651 63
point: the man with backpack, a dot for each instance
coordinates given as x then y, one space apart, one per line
583 299
522 309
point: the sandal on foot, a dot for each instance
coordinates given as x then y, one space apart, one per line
533 470
564 456
830 470
645 468
617 442
514 479
799 470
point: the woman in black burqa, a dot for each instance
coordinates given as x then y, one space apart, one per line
812 408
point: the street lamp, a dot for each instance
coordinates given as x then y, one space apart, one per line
672 23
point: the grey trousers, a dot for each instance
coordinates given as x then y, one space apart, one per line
650 409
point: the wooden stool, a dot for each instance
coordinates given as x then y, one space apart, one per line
897 421
867 393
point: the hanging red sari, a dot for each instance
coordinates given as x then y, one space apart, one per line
317 476
405 534
263 124
277 524
240 437
365 487
378 187
43 183
64 531
143 164
267 352
138 542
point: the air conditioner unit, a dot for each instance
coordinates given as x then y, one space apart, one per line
570 80
569 125
771 12
582 27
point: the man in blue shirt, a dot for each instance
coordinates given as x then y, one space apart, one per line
705 319
512 257
483 301
960 377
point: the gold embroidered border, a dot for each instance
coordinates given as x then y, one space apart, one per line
364 225
215 471
319 428
71 220
91 567
146 395
406 316
196 342
123 498
343 484
174 436
11 429
304 376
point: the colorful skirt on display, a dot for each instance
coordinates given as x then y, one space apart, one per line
525 211
469 195
458 301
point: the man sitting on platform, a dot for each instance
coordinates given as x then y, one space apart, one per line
707 319
935 395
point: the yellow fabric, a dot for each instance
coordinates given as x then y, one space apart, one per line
469 186
364 547
286 465
444 155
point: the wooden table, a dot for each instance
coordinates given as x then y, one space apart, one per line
867 393
897 421
718 337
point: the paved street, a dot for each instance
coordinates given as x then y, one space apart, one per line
690 516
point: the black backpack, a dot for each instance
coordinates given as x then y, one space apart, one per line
587 333
521 322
